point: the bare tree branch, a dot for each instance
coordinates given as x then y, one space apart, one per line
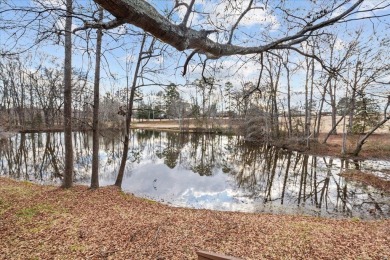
239 20
188 60
141 14
108 25
187 15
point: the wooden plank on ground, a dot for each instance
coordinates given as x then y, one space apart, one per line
203 255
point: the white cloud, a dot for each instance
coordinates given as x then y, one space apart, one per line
194 17
51 3
367 9
231 69
224 15
381 5
338 12
339 44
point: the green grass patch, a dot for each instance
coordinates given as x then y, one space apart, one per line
19 191
77 248
30 212
40 227
149 201
124 194
355 219
3 206
28 183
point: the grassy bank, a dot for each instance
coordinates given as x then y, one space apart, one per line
45 222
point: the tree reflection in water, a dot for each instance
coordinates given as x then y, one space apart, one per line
204 170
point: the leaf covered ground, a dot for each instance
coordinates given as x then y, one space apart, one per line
46 222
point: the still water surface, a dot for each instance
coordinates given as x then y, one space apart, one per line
205 171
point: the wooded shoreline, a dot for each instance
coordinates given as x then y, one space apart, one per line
376 147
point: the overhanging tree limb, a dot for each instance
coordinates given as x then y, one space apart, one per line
143 15
99 25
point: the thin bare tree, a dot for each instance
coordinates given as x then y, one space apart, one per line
68 171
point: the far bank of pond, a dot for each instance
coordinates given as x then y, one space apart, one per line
377 146
207 171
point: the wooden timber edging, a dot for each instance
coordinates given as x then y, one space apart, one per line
203 255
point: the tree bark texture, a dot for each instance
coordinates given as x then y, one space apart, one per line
68 174
95 124
129 113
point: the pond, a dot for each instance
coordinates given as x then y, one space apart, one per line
205 171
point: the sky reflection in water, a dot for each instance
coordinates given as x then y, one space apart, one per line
206 171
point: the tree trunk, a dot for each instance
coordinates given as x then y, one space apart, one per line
310 102
333 129
129 112
96 95
332 94
317 132
288 101
68 174
306 98
276 110
32 114
361 142
353 98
